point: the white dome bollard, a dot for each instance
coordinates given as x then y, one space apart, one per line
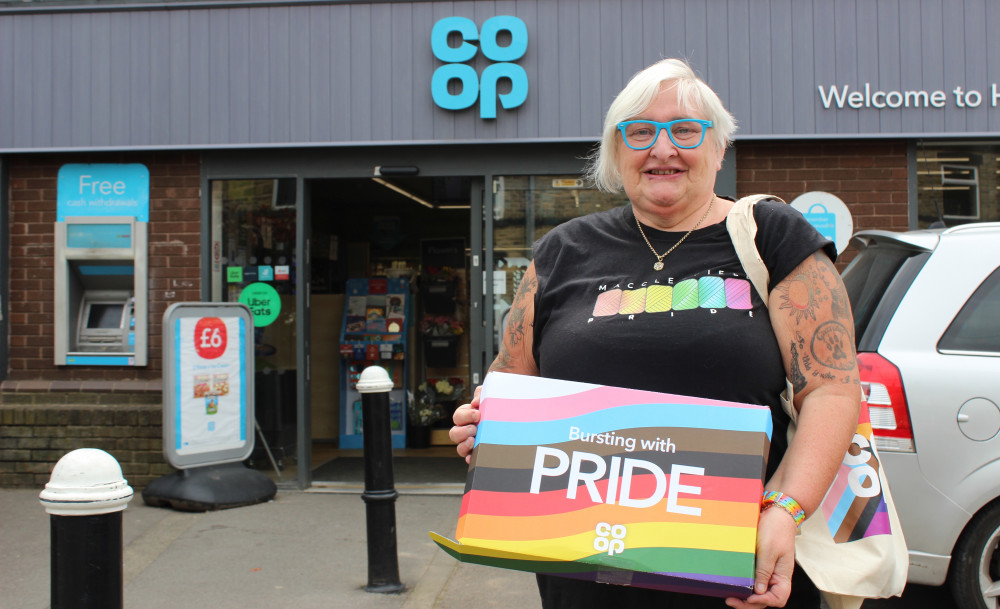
84 498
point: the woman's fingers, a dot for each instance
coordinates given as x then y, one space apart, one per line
463 434
465 414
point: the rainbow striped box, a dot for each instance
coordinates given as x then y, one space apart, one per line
614 485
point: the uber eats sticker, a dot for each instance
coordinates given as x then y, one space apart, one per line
264 302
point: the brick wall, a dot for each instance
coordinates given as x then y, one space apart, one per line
40 426
174 257
870 177
48 410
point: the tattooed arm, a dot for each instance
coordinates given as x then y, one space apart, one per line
515 356
515 346
812 321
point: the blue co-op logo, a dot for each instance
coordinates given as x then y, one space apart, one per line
475 87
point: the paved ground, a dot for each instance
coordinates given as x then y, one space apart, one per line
303 550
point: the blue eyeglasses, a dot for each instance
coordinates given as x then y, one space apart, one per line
684 132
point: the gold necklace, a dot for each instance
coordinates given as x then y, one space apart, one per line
658 266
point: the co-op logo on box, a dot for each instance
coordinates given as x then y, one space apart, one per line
475 86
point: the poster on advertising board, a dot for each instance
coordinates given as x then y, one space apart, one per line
208 389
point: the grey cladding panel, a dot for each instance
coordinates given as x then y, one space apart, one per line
299 76
360 108
342 74
7 76
782 67
139 61
738 59
219 92
279 66
159 75
178 53
800 35
197 81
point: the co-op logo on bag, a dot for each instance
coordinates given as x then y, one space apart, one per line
474 86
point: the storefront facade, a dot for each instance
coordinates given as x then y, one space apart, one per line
308 144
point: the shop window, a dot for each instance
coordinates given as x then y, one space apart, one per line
960 192
253 235
957 185
525 208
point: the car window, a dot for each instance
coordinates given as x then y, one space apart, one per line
977 325
868 279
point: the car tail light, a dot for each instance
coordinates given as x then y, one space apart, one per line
890 416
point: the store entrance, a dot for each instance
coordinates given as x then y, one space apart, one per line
389 286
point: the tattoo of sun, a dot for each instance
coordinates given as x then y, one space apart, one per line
798 298
831 346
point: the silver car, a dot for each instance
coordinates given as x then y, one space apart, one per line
927 318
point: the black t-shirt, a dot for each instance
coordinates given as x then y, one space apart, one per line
697 327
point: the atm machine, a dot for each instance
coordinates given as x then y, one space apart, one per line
101 291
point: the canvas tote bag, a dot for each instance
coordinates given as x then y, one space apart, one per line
852 547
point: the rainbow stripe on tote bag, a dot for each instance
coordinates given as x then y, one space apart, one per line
614 485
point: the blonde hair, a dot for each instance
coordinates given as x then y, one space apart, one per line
692 95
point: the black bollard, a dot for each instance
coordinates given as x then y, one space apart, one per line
85 497
380 492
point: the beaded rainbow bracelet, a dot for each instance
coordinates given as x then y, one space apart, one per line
774 498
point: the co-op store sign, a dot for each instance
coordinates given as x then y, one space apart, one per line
473 85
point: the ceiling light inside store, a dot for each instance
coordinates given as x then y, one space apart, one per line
403 192
418 199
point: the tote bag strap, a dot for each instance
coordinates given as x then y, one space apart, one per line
743 230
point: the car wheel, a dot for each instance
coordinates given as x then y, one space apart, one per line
975 563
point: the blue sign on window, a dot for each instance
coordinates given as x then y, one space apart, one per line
103 190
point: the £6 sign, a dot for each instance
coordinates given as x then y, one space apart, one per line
210 337
475 86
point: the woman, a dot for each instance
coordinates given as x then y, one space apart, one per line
579 315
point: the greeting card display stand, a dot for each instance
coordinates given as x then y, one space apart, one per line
373 333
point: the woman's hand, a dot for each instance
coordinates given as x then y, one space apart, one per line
775 561
466 419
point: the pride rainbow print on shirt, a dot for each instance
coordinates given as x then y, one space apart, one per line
701 293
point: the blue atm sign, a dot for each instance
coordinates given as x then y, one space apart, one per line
475 86
103 190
